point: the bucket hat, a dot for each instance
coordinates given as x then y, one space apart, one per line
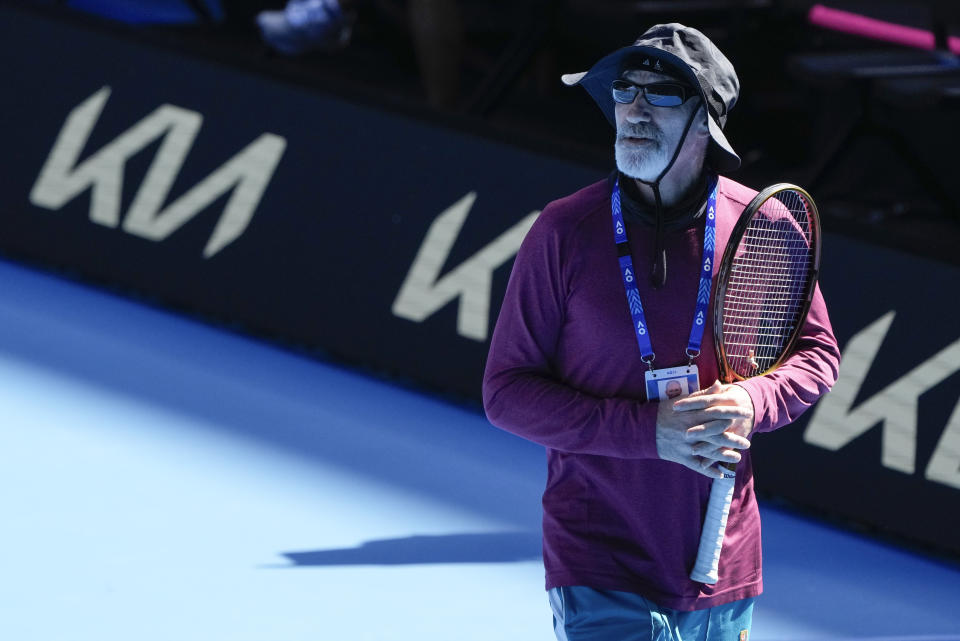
686 54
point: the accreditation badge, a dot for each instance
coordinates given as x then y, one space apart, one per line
672 382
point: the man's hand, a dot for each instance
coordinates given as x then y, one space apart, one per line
720 395
705 429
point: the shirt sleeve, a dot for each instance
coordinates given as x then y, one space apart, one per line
807 374
522 392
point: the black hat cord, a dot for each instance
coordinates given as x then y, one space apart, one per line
658 272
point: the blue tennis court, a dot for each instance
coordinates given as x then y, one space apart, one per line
168 480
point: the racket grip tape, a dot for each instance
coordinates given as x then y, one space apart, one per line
706 568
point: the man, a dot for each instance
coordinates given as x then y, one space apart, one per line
629 476
673 389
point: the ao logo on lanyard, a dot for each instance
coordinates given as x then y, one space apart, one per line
660 380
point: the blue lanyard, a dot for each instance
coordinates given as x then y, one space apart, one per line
629 275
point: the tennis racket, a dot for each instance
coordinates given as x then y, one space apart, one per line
763 291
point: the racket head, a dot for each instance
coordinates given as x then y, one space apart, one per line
765 281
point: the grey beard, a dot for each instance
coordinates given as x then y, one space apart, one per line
645 164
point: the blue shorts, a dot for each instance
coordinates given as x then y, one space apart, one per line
584 614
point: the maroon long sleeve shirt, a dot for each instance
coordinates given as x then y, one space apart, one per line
564 371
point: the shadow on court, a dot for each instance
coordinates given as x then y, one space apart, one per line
502 547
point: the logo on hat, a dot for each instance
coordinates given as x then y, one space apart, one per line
657 66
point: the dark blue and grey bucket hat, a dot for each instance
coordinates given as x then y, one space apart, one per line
681 52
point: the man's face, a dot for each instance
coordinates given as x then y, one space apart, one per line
674 389
647 136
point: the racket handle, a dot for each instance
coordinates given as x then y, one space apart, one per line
706 568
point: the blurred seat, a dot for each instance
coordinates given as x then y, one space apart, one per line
152 11
614 8
867 81
939 91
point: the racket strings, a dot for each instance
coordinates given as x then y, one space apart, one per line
767 284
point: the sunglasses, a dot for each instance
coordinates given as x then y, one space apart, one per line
658 94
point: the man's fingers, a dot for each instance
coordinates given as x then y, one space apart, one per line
713 389
716 454
703 466
714 412
729 440
705 402
689 403
716 434
708 428
713 421
708 467
713 466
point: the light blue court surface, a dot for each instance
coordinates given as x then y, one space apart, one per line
164 480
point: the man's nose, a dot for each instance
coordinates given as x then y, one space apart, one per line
638 110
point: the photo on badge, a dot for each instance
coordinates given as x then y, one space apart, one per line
673 388
672 383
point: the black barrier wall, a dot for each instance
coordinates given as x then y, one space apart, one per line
387 242
284 210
